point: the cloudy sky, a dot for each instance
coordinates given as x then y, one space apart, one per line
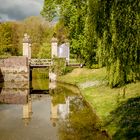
19 9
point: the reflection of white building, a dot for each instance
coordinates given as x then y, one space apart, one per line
63 109
59 111
61 51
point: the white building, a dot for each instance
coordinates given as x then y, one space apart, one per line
63 51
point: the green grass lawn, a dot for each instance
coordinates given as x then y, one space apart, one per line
113 106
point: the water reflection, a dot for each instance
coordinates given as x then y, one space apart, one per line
76 119
14 92
60 114
59 111
27 111
54 114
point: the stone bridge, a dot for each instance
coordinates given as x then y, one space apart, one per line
16 71
19 68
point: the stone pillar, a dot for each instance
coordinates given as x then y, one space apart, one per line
27 46
52 76
68 52
54 47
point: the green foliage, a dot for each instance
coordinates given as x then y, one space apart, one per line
5 38
49 9
61 31
59 64
11 36
90 46
9 39
72 16
40 32
66 70
112 38
81 123
118 106
45 51
104 33
126 119
124 33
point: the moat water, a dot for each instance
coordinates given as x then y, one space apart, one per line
51 111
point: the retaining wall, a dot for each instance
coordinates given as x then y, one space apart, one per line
14 69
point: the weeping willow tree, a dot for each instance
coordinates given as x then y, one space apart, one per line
114 30
124 33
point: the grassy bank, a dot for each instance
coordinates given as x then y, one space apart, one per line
117 108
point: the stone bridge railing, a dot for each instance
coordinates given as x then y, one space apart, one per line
40 62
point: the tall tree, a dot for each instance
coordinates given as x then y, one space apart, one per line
117 36
39 30
104 32
6 38
72 14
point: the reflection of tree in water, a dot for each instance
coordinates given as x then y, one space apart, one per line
81 124
126 118
77 122
59 94
59 97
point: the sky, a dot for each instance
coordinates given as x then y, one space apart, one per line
19 9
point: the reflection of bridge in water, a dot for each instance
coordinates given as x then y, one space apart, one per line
20 93
39 91
14 92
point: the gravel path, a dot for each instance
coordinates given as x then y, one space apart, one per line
89 84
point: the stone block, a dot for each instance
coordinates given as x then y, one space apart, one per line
15 68
16 85
16 61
